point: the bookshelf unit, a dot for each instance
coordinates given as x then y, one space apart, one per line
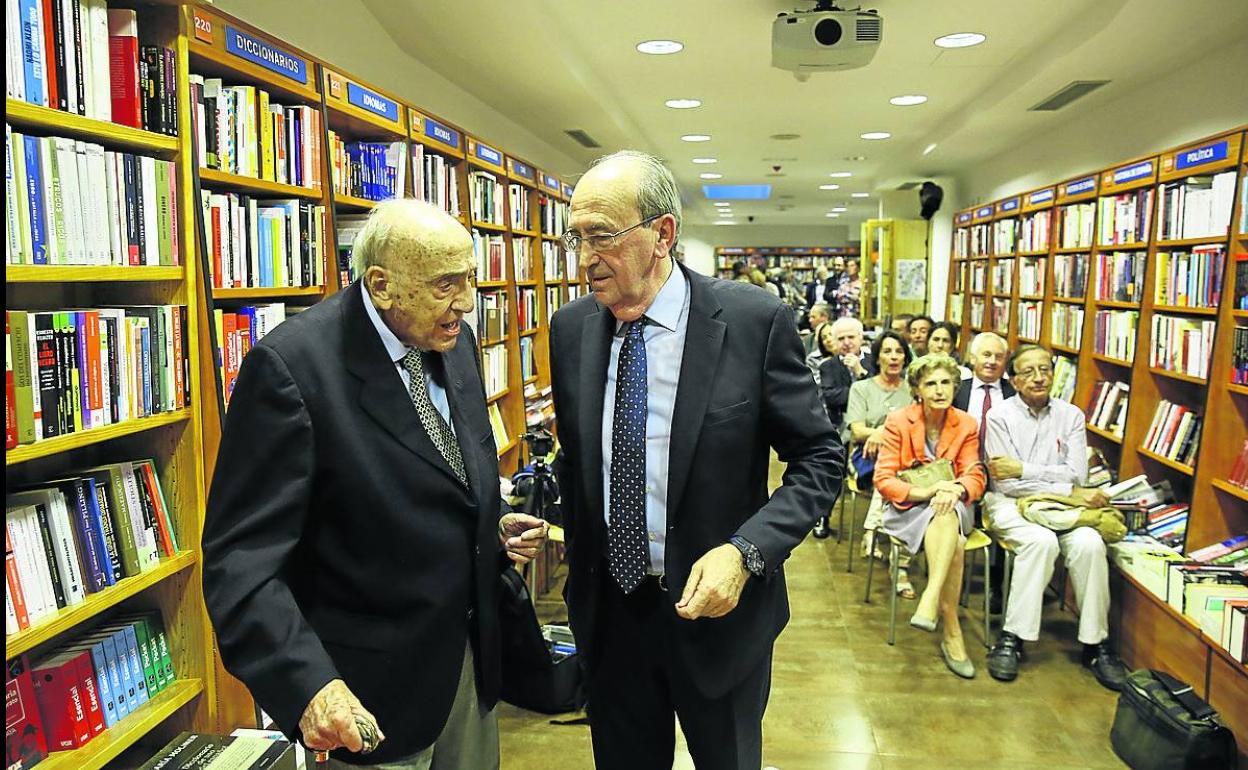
1088 237
802 260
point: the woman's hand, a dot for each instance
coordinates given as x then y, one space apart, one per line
945 500
871 447
951 487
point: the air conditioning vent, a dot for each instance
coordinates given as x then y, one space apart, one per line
868 30
583 139
1072 92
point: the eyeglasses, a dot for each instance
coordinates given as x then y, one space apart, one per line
573 240
1034 372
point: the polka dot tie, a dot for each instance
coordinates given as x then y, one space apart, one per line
435 425
628 550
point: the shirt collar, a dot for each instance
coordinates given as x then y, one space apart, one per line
668 304
1022 406
394 347
978 384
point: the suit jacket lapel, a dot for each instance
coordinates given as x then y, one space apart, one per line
595 357
918 435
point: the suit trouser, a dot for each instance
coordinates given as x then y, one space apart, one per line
468 741
1035 553
639 686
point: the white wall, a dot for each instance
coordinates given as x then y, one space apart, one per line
346 34
771 235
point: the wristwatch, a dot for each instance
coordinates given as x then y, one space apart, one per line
752 557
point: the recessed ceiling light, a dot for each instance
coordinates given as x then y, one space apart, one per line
683 104
724 222
705 160
908 100
710 176
840 174
873 135
829 187
660 46
723 204
929 148
960 40
861 195
696 138
838 209
832 214
855 158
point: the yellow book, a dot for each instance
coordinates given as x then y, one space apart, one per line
500 430
267 169
218 320
280 274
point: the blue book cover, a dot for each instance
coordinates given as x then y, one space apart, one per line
129 681
250 312
298 150
32 52
136 663
34 195
111 563
103 682
145 348
266 252
85 532
114 673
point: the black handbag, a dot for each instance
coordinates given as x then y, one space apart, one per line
534 675
1160 724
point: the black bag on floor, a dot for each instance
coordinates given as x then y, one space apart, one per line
1160 724
534 676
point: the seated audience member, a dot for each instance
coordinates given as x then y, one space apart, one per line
901 325
825 347
1036 446
936 517
920 326
840 371
944 339
819 314
817 291
871 401
986 387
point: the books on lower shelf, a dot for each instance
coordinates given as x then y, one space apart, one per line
494 368
1190 279
528 359
490 252
1065 372
1077 225
1239 356
1241 282
1005 235
72 537
1001 315
74 203
554 298
521 257
526 308
552 261
1181 344
1113 333
575 290
1239 469
374 171
1035 231
435 179
241 750
955 309
485 198
961 243
1124 218
1067 326
1120 276
348 226
493 314
977 312
1070 275
237 333
1107 408
1029 317
78 369
553 213
539 406
255 243
1196 206
981 239
1031 276
979 277
1002 276
1174 433
240 131
497 425
518 207
571 270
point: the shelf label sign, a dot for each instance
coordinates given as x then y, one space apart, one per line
1009 205
964 218
550 182
1040 196
1210 153
521 169
203 28
435 130
266 55
489 154
984 211
1136 171
372 101
567 190
1081 186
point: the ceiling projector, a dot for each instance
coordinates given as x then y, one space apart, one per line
825 39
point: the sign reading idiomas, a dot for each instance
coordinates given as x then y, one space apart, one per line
489 154
1040 196
1210 153
1133 172
447 136
372 101
1080 186
266 55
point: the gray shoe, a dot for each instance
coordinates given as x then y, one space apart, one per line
922 623
963 668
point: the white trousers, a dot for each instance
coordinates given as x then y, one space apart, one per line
1036 549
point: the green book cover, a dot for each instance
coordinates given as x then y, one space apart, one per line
149 652
163 226
23 380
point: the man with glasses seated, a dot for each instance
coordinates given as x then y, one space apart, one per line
1036 444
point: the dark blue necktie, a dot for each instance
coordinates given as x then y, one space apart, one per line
627 546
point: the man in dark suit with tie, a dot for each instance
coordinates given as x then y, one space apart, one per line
354 535
670 388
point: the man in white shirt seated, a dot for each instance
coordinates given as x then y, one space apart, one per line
1036 445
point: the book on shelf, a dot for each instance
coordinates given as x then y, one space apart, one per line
259 243
571 271
492 312
1239 469
1035 231
348 226
981 239
575 290
528 359
1029 315
979 277
1005 235
553 213
1070 275
1124 218
490 252
1099 473
518 207
1030 276
1065 371
539 406
1196 206
526 307
494 367
239 130
25 743
246 750
1000 317
74 203
552 261
1228 551
1067 327
1107 408
1078 222
521 257
1174 433
1181 344
955 309
374 171
1002 276
554 298
1120 276
977 312
961 243
1114 333
237 333
1190 278
486 201
435 179
1241 282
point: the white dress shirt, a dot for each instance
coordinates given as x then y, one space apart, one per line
975 407
396 350
1051 444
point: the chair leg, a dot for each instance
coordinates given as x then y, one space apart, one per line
892 594
866 599
853 523
964 599
840 525
1007 579
987 599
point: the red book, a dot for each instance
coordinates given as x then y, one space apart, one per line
49 55
123 67
95 374
24 744
158 506
90 697
14 584
59 695
229 333
216 248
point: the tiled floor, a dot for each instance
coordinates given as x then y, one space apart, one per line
842 698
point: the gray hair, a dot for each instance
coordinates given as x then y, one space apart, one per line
657 192
822 307
848 321
985 337
404 229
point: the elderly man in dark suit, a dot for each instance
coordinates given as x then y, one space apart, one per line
670 388
354 535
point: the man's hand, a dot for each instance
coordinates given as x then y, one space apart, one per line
1003 468
714 585
871 447
1090 497
336 718
522 536
853 363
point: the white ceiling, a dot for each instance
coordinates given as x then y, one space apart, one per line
554 65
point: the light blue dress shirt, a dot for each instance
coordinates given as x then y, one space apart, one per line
396 350
665 348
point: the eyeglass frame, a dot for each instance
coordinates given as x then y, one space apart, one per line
565 239
1033 371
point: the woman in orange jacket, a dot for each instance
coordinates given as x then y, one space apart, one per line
936 518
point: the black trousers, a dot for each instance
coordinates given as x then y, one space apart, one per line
638 687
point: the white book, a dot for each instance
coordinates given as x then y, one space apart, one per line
253 242
84 212
29 553
116 228
63 539
97 194
145 536
122 396
101 81
60 185
150 222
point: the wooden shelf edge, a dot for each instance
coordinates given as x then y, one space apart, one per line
249 184
1208 240
524 233
1179 376
1114 304
1187 470
109 744
1230 489
512 444
23 115
488 226
1184 310
1240 389
53 446
267 292
1104 433
497 396
1138 246
96 603
1111 360
90 273
1069 300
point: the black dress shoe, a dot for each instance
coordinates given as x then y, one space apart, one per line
821 528
1004 657
1106 666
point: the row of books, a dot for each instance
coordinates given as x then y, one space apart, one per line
485 198
240 131
554 299
522 257
72 370
979 277
1065 371
980 240
539 406
1029 318
1036 231
1031 276
1150 509
526 308
553 214
237 333
490 252
518 200
1124 218
1070 275
375 171
1005 236
435 179
492 315
1078 222
1003 276
243 749
552 261
69 538
494 369
1196 206
1190 279
1000 315
977 312
349 226
1239 355
1174 433
74 203
498 426
82 57
1181 344
1113 333
1107 408
74 693
255 242
1120 276
955 309
1239 469
1067 329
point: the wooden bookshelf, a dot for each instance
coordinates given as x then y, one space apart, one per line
1104 434
267 292
253 186
90 274
45 121
73 441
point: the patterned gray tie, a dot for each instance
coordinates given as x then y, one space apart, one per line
435 425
